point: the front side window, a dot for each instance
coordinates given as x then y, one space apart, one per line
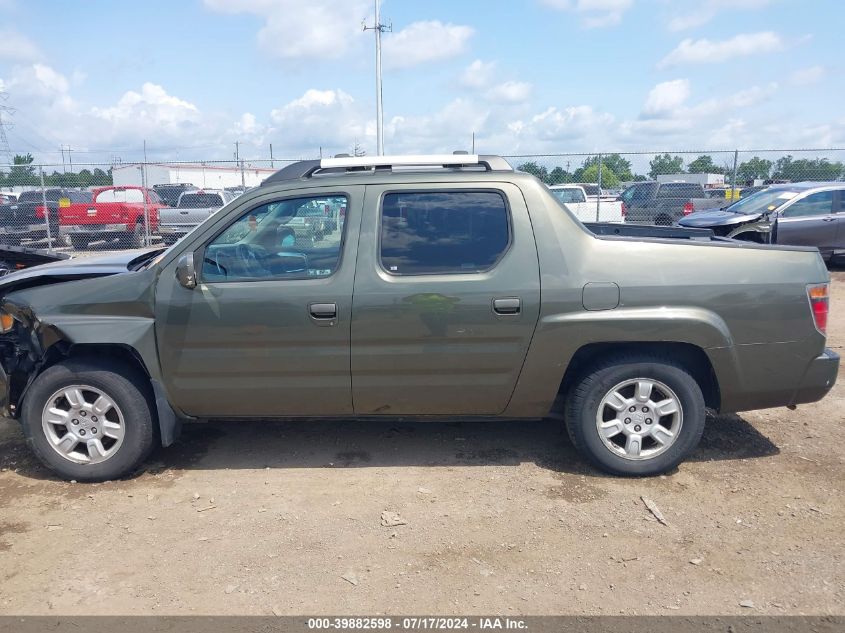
815 204
443 231
298 238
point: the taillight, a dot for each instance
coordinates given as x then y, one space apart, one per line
819 304
624 210
39 212
688 208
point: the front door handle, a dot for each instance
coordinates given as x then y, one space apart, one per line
323 311
509 305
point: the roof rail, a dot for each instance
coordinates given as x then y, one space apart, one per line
307 168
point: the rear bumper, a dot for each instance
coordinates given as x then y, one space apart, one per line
26 229
819 378
89 229
175 230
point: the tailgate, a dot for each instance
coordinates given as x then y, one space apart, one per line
189 217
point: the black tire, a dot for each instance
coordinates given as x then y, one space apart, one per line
124 386
587 392
136 238
79 242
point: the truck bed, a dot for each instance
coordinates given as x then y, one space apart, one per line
649 230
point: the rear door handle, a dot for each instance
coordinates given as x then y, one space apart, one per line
509 305
323 311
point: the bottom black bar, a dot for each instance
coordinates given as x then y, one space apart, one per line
380 623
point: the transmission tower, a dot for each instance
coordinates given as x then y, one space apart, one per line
5 150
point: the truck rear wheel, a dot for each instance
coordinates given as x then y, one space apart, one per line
635 415
79 242
88 422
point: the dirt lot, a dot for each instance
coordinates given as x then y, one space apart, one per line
505 518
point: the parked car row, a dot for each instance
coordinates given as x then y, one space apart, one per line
800 214
117 216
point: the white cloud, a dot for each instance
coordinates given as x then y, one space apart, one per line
424 41
594 13
706 51
153 107
509 92
478 74
321 118
668 116
444 130
807 76
16 47
317 29
693 13
666 97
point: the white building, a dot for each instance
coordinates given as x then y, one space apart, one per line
197 174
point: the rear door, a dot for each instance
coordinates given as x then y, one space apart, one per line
446 299
810 221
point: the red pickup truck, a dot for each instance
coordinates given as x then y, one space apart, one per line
117 213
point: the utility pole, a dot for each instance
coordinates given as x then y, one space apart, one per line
147 239
733 177
5 150
271 156
598 196
473 143
237 151
70 158
378 28
62 150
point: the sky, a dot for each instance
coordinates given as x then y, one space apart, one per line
192 78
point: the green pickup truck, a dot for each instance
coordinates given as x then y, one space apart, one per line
453 287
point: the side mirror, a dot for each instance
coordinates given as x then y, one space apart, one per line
185 273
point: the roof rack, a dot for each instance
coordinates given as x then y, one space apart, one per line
344 164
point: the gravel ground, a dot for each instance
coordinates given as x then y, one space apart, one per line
261 518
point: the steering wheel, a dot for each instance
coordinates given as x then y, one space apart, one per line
250 256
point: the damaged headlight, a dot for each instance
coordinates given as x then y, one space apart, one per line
7 321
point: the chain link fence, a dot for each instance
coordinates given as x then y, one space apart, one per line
94 208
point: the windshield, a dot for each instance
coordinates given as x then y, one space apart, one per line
763 201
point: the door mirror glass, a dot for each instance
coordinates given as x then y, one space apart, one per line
185 273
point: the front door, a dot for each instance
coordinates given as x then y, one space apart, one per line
265 333
447 296
809 221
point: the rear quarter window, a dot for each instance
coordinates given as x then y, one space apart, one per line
443 232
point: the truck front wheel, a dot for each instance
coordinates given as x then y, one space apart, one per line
635 416
88 422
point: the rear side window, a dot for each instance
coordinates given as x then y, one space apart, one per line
569 195
680 190
443 231
120 195
200 200
638 194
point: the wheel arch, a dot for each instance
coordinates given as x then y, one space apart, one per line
692 357
167 422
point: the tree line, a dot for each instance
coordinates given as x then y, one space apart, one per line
616 170
23 173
